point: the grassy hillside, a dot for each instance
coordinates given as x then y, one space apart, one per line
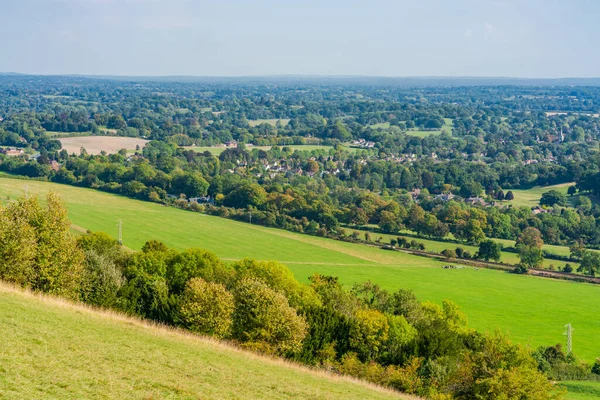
533 310
53 349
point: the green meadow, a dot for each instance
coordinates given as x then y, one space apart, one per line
533 310
447 127
531 197
104 355
579 390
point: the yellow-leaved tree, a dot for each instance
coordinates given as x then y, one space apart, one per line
37 248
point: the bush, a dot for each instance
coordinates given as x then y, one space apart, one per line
206 308
448 253
263 319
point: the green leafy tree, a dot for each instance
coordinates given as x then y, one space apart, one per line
39 251
529 245
246 195
102 280
553 197
263 319
279 278
207 308
490 250
369 333
590 263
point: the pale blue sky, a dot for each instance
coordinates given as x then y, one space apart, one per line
517 38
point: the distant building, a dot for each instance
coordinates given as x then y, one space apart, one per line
445 197
12 152
475 201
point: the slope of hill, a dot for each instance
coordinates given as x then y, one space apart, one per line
55 349
533 310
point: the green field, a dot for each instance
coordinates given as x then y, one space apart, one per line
448 124
272 122
52 349
531 197
582 390
534 310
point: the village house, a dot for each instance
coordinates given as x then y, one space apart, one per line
445 197
475 201
539 210
12 152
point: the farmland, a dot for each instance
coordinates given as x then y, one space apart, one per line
533 310
97 144
54 349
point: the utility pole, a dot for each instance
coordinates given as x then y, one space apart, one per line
569 334
120 225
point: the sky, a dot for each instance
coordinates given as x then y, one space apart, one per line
492 38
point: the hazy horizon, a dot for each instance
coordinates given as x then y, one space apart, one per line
531 39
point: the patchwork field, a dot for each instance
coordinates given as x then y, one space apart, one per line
533 310
102 354
96 144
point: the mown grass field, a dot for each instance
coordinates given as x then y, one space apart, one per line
533 310
52 349
531 197
582 390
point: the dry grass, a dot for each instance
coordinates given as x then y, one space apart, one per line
96 144
59 349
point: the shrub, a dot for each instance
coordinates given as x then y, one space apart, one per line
448 253
263 319
207 308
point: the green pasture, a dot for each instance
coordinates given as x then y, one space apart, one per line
531 197
534 310
582 390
